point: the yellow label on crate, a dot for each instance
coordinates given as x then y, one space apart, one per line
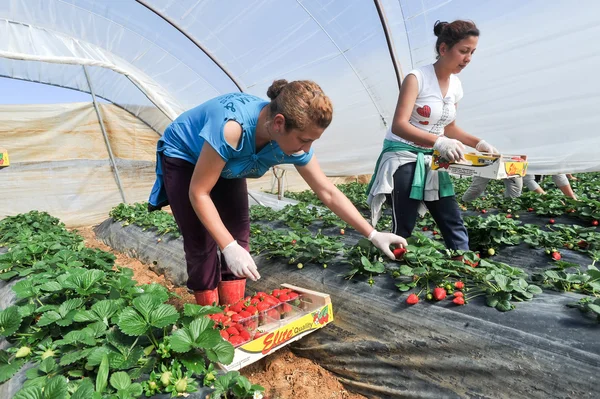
475 160
282 335
517 168
4 158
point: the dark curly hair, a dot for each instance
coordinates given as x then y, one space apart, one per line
453 32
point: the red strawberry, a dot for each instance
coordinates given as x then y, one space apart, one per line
293 295
342 231
556 255
529 209
439 293
261 307
244 314
425 228
237 308
293 242
236 340
399 252
252 310
276 293
236 317
412 299
459 285
458 294
224 334
594 223
459 300
435 233
551 221
509 216
232 331
259 334
284 297
483 211
245 335
582 244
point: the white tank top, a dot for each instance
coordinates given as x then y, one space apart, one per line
432 112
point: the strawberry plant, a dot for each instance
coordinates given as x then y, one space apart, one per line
491 232
588 305
364 259
160 221
79 316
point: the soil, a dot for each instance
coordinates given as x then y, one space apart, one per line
282 374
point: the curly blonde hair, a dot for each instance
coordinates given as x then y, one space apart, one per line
301 102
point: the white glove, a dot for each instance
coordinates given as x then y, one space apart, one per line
384 240
240 261
484 146
450 149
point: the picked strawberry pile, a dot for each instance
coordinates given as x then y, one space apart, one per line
241 322
454 292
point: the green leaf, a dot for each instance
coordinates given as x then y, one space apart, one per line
501 280
51 286
120 380
534 289
145 304
594 308
10 321
163 316
222 352
83 316
32 392
491 301
85 390
48 318
56 388
47 365
69 305
8 370
102 377
157 291
406 270
182 340
504 306
193 310
105 309
132 323
72 357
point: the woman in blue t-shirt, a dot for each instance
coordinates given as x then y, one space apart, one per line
203 159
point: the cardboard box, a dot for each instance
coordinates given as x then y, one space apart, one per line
496 166
315 311
4 161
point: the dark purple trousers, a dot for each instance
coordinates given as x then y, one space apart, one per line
204 266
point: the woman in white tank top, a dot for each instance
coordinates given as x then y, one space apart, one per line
425 121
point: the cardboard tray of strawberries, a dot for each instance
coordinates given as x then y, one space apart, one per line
260 324
491 166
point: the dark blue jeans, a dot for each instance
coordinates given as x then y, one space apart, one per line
445 211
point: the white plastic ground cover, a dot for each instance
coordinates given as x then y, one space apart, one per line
530 86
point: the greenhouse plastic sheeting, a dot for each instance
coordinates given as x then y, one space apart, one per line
60 162
531 83
382 348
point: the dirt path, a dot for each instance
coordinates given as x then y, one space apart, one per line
284 375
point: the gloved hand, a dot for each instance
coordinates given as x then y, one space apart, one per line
384 240
484 146
450 149
240 261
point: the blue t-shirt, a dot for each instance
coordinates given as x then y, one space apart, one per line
186 135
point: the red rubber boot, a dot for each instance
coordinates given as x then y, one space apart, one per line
231 291
207 298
